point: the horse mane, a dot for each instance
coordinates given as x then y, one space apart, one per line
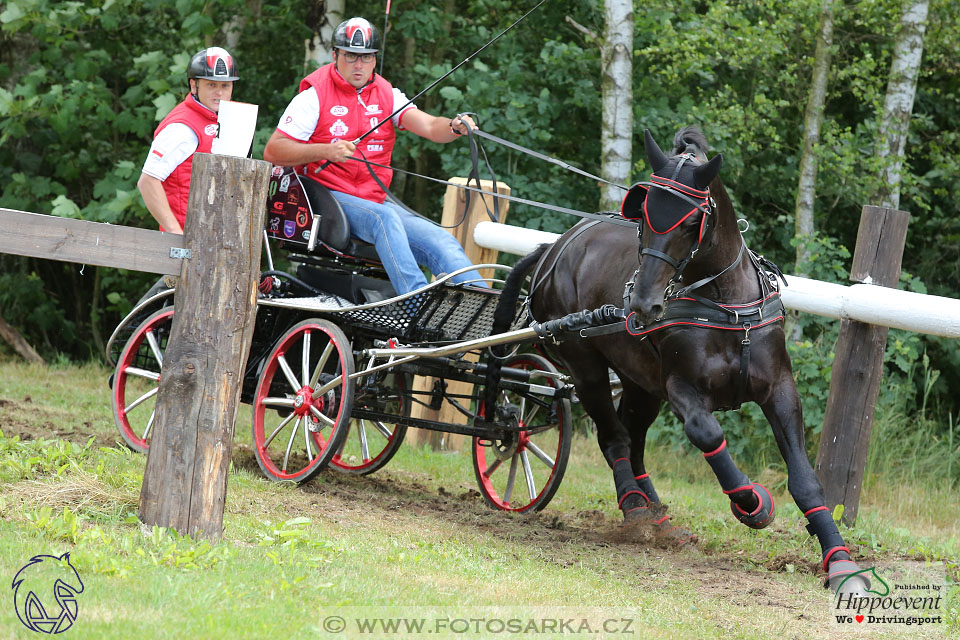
691 140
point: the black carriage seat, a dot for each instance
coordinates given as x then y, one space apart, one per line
334 229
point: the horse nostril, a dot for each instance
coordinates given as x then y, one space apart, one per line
654 312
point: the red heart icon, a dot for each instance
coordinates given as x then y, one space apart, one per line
859 618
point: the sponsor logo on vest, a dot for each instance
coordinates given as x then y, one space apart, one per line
339 129
374 147
339 110
289 228
285 183
374 108
211 129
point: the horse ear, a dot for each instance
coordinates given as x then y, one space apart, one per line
654 154
705 173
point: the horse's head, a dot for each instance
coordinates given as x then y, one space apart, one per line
676 216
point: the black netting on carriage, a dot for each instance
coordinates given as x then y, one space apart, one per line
440 314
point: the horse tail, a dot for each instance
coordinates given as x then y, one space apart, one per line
691 140
503 316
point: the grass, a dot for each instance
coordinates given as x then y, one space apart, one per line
413 540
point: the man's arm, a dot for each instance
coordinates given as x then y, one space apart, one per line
284 151
433 128
156 200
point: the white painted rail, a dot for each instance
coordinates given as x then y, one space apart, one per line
933 315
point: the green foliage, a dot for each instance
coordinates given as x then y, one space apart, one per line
25 459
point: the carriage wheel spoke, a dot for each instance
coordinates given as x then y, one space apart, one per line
493 467
305 354
321 417
285 422
155 347
146 432
141 400
286 403
364 447
142 373
528 420
537 451
333 384
528 474
306 440
293 434
382 428
321 363
288 374
510 480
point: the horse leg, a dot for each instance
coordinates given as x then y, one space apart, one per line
591 380
637 411
784 413
750 502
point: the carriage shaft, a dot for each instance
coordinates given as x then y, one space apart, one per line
518 335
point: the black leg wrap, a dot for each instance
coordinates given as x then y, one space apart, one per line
629 495
731 478
646 486
823 526
835 555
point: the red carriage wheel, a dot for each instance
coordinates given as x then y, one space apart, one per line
523 471
136 379
301 408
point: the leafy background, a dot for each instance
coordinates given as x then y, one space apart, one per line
83 85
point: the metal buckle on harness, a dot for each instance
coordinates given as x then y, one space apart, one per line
746 333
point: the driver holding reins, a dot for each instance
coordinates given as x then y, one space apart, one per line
337 104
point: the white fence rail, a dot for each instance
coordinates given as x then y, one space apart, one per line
933 315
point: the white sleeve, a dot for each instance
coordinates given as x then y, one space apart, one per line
300 119
400 99
174 144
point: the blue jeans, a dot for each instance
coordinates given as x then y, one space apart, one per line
404 241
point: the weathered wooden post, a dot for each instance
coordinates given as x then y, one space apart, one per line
185 482
858 364
454 203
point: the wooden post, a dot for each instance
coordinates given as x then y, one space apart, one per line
185 481
454 202
858 365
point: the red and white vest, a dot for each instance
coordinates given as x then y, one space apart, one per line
345 114
203 122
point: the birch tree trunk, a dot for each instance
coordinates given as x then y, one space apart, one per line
617 129
812 122
898 105
327 15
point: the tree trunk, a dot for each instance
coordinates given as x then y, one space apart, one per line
617 127
898 105
812 121
15 340
324 17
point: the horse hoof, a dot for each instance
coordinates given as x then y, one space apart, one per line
762 516
844 576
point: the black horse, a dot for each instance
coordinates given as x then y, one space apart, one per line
705 333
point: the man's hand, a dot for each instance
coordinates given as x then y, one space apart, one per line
461 123
341 151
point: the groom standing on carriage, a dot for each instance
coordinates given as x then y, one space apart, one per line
337 104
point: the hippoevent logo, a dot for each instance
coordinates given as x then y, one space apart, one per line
901 597
45 593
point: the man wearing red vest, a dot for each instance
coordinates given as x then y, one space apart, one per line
190 127
340 102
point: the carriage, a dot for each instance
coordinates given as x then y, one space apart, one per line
331 368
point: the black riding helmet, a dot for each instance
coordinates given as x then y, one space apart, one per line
213 63
356 35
